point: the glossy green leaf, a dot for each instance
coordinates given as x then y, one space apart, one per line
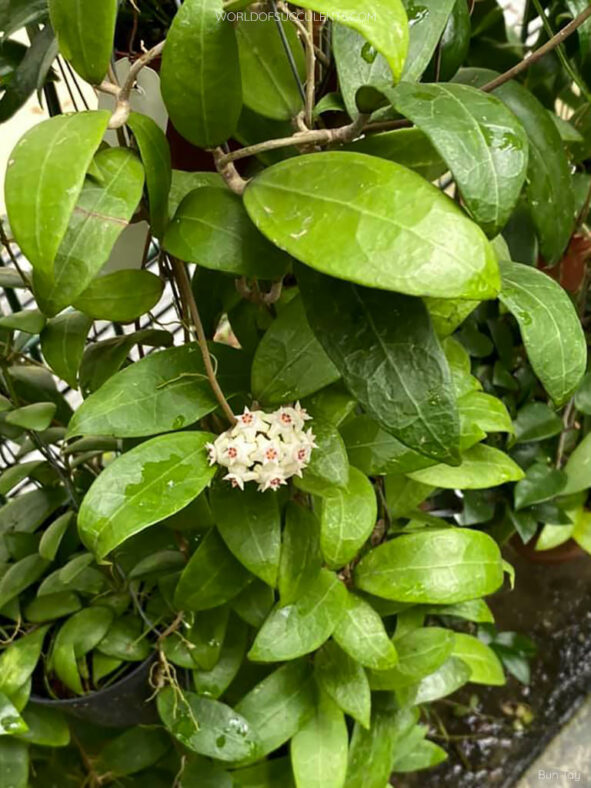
212 577
395 221
473 610
487 412
102 211
373 338
328 467
47 727
421 651
483 143
51 158
52 606
453 674
79 635
185 182
14 762
481 659
347 518
24 69
303 626
448 313
254 603
162 392
62 342
541 483
353 69
301 559
279 706
319 749
19 660
31 321
136 749
385 28
206 726
11 722
214 682
427 23
53 535
32 417
550 327
578 468
121 297
536 421
211 228
124 641
425 755
20 576
482 467
26 512
142 487
250 524
375 451
85 31
442 567
410 147
583 395
200 73
344 679
290 363
13 476
361 633
268 84
155 153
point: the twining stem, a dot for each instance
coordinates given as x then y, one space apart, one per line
310 70
182 279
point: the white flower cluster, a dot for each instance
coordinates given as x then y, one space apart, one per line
267 448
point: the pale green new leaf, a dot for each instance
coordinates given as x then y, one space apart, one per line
361 633
484 664
481 467
319 749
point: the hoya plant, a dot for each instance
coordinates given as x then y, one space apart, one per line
259 533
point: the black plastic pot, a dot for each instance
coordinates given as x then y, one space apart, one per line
122 705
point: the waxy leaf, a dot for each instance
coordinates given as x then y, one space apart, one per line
301 559
397 233
482 467
421 652
481 659
11 722
155 153
45 175
136 749
18 661
303 626
390 359
290 363
409 147
36 417
85 32
62 342
250 524
541 483
375 451
268 84
550 327
328 467
425 755
102 211
14 762
453 674
200 73
142 487
20 576
344 679
441 567
121 297
427 22
487 412
31 321
254 604
206 726
578 468
162 392
361 633
211 228
483 143
47 727
279 706
353 69
319 749
53 535
76 638
214 682
212 577
347 518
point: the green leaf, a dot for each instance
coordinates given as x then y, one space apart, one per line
279 706
473 610
19 660
24 69
578 468
319 749
31 321
385 348
185 182
453 674
32 417
85 32
442 567
124 641
483 143
142 487
290 362
162 392
206 726
347 518
328 467
62 342
583 395
20 576
409 147
14 762
297 629
155 153
50 158
385 27
200 74
121 297
52 606
102 211
344 679
136 749
375 451
268 84
212 577
353 69
250 524
14 475
11 722
481 467
211 228
536 421
26 512
487 412
301 559
254 604
550 327
76 638
422 651
398 218
549 190
361 633
484 664
426 25
47 727
214 682
53 535
447 314
425 755
541 483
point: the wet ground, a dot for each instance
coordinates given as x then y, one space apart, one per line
511 737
